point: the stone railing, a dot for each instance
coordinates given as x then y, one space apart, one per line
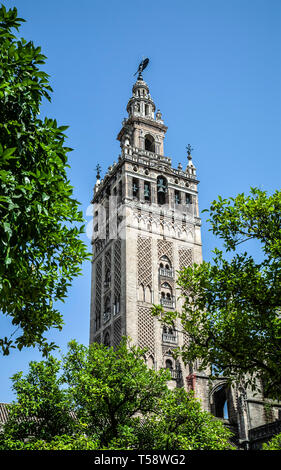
166 272
170 338
134 153
263 433
175 374
170 303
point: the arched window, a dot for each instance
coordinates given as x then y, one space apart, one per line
107 278
106 340
177 197
166 288
107 308
149 143
147 110
116 305
220 402
147 191
162 190
141 292
135 188
165 264
169 364
169 335
166 295
147 294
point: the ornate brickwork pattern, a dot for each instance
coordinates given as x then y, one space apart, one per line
165 248
117 336
168 350
144 261
146 338
185 339
98 294
185 257
117 268
107 260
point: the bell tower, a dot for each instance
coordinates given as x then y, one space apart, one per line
146 228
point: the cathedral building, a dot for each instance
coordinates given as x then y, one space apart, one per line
146 228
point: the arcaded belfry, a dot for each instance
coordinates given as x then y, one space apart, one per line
146 228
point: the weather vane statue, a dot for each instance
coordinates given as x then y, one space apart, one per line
98 170
189 150
142 66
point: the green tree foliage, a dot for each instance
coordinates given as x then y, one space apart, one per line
43 408
109 387
106 399
40 224
232 310
273 444
178 423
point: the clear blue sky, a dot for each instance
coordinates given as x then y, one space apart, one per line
215 74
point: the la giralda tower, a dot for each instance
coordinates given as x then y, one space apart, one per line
146 228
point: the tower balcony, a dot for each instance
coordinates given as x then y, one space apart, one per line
171 338
166 302
163 272
134 153
176 374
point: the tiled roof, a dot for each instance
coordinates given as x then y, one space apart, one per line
3 412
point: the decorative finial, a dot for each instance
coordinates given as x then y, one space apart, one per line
98 170
189 150
141 67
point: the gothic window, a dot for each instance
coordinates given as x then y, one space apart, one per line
166 295
116 305
147 294
165 267
169 335
106 340
141 292
107 308
149 143
220 402
165 262
168 330
135 188
188 199
169 364
147 191
107 279
162 190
